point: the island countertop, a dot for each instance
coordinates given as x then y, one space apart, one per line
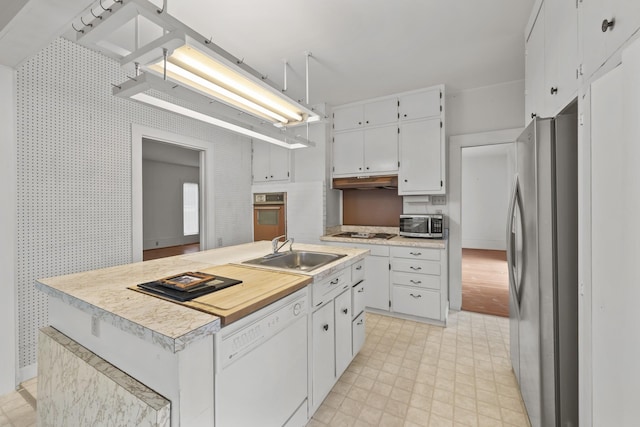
103 293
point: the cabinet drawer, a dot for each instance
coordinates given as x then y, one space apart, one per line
415 266
416 302
416 253
357 272
358 298
419 280
330 287
358 333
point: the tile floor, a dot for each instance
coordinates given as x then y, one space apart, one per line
18 409
407 374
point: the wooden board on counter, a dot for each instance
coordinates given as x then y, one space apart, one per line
258 289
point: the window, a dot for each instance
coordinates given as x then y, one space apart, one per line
190 209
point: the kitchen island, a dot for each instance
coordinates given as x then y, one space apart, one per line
167 355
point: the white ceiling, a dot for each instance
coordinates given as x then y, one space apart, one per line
360 48
367 48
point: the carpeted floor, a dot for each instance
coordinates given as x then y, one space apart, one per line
485 282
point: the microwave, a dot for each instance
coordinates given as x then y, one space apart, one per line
430 226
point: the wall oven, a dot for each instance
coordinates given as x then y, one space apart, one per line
269 215
429 226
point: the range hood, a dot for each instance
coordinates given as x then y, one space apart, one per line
366 182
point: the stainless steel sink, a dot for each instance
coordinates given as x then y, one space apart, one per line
296 260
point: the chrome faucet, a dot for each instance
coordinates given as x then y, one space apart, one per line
274 244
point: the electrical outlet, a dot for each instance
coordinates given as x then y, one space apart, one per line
439 200
95 326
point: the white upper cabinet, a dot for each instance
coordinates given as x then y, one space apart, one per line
368 140
270 162
382 112
534 68
420 105
560 54
551 59
421 153
605 25
365 114
422 143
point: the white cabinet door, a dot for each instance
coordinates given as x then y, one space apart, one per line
416 302
261 161
421 153
279 163
348 118
381 149
359 332
420 105
381 112
610 350
269 162
534 69
358 298
560 54
343 331
597 45
348 148
323 352
377 280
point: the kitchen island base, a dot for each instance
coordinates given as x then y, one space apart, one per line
101 394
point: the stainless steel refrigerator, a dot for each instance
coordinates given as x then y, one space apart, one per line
542 253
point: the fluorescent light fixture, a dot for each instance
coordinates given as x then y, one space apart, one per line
182 64
166 105
138 89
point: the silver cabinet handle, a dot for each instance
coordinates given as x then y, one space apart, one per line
345 310
325 327
416 296
360 323
415 268
415 253
416 282
360 290
346 286
359 267
335 281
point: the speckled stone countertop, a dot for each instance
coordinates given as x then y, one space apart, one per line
103 293
394 241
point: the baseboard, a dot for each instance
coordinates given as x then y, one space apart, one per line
494 245
27 373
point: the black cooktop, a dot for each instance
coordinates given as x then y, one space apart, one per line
362 235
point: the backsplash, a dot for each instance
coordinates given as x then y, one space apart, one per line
376 207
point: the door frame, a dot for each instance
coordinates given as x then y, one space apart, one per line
207 199
456 144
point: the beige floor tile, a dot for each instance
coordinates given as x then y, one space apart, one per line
390 420
444 410
341 419
400 395
358 394
484 421
417 416
515 418
420 402
351 407
333 400
396 408
370 415
465 402
464 417
438 421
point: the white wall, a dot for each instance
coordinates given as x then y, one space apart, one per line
7 231
485 108
162 203
485 195
74 175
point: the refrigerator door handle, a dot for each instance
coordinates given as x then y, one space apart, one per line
515 270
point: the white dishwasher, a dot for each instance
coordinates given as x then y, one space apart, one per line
261 366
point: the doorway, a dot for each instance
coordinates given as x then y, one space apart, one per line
486 176
171 199
456 145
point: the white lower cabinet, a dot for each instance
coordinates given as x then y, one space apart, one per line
419 282
323 326
416 301
377 277
358 333
342 312
332 323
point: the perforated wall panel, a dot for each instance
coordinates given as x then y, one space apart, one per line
74 174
